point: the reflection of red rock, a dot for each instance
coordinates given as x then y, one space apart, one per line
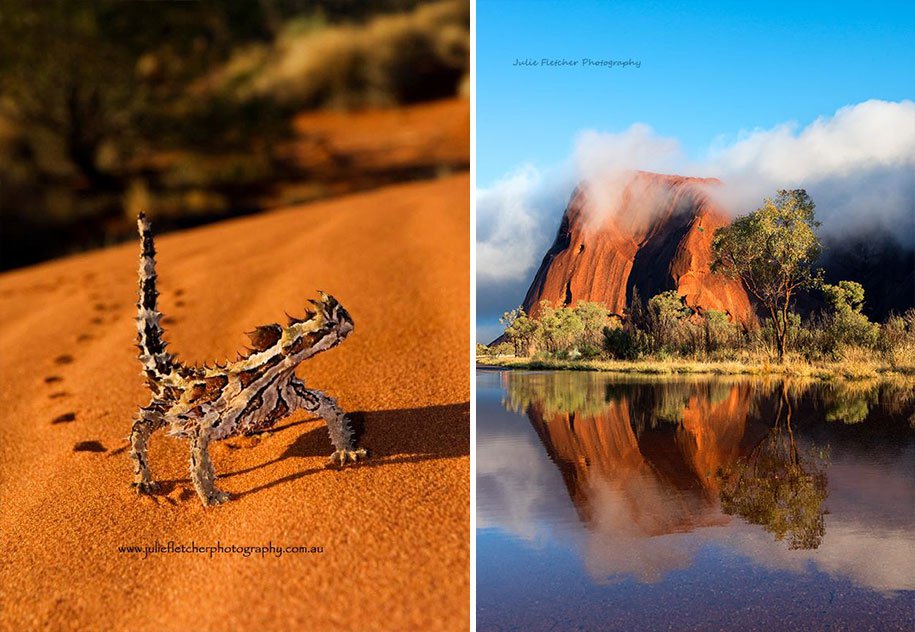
652 232
660 481
710 434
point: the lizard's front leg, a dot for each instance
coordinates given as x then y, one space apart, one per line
338 424
202 474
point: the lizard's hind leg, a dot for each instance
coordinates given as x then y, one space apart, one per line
202 474
338 424
148 420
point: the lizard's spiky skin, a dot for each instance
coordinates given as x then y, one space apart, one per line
204 404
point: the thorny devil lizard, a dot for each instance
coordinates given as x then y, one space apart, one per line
204 404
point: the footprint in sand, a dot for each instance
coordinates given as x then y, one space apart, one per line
53 379
64 359
89 446
64 419
98 320
58 395
84 337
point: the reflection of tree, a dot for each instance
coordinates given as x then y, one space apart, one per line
850 403
563 392
776 488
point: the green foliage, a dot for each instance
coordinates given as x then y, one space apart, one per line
502 349
559 327
772 251
626 343
720 333
847 325
844 296
896 341
520 330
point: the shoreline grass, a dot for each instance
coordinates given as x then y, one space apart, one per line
820 371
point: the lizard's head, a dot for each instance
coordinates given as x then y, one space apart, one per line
322 328
334 315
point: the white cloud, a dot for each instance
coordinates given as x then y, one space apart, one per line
858 165
513 222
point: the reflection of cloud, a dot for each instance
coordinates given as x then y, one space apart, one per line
620 541
510 484
877 558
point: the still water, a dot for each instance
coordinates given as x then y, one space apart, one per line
614 503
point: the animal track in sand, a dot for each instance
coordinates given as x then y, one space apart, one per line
58 395
89 446
64 359
97 320
64 419
84 337
52 379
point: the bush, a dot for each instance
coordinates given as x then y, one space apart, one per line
896 340
626 343
502 349
846 325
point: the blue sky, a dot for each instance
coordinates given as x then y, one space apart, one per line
710 74
708 70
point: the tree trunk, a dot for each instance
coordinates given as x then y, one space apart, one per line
779 328
782 341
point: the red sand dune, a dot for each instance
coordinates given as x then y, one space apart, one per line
395 530
653 234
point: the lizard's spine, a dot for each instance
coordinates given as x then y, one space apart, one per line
156 361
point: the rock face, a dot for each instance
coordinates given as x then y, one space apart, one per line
647 231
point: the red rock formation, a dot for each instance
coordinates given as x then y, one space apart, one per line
649 231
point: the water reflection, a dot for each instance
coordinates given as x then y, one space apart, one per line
785 473
776 487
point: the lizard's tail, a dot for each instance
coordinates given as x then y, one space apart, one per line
157 363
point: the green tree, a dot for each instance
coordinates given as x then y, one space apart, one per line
521 330
848 324
718 330
561 328
667 312
772 251
594 317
